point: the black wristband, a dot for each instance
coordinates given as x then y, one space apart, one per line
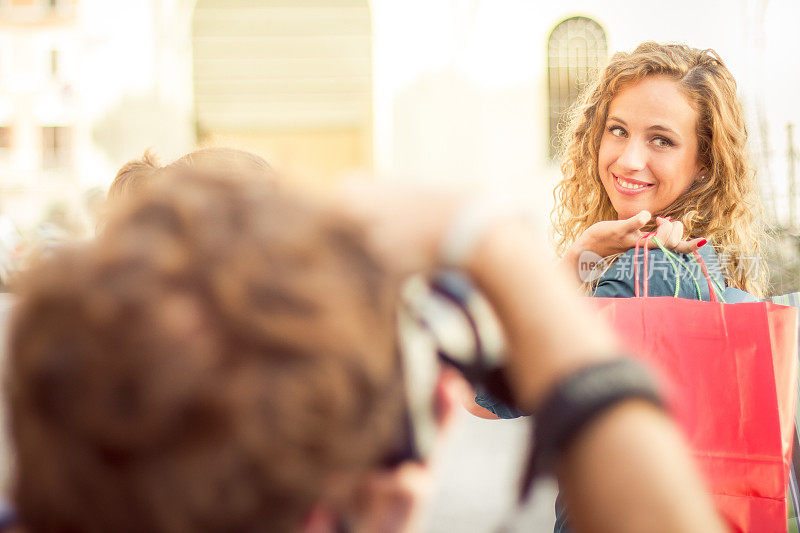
576 401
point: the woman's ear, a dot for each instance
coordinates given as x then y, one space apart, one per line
700 174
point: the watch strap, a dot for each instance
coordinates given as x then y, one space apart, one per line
576 401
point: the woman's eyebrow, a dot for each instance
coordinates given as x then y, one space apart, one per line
665 129
655 127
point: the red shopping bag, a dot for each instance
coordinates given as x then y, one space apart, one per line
730 371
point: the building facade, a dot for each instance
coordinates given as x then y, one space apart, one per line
84 86
452 91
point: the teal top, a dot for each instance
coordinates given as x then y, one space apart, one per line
619 280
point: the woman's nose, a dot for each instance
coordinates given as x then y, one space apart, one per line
633 157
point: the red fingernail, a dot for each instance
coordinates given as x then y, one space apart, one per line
701 243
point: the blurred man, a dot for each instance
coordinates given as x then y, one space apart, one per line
220 359
225 358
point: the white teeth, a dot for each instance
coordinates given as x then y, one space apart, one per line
629 185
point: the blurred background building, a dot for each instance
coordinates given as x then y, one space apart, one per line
459 91
291 80
84 84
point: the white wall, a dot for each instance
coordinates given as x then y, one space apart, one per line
775 85
135 82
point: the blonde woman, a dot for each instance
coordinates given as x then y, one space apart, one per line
661 133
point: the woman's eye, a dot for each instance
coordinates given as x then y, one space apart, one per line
616 131
662 142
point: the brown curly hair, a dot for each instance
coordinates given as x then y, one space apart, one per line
217 360
136 173
133 176
724 207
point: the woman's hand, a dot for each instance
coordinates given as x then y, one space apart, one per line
616 236
611 237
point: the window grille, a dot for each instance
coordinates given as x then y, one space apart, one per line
5 137
576 50
54 63
56 146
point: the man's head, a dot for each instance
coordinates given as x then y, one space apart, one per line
133 175
220 358
226 160
137 173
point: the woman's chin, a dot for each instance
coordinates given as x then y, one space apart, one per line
627 206
629 212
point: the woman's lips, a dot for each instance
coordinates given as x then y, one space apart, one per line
635 186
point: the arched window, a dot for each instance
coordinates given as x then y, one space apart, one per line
576 50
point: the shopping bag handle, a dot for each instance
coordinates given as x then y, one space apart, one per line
636 265
646 238
674 262
711 289
714 289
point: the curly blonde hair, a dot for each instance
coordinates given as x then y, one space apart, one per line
723 207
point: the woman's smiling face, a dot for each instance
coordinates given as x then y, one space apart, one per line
648 152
